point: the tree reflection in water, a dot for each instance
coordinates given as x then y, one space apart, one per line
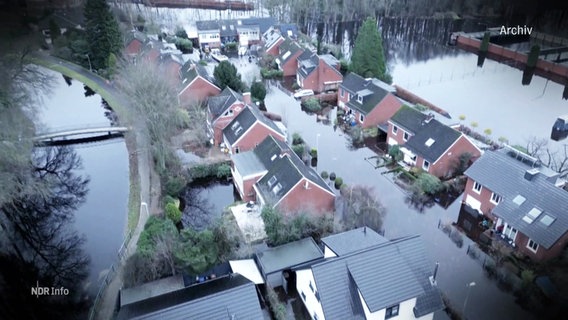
38 243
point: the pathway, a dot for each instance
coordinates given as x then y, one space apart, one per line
149 181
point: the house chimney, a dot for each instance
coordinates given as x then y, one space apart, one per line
436 270
531 173
246 98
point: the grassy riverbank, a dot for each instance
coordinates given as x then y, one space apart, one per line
122 112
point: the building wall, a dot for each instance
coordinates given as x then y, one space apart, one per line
398 137
273 51
210 38
444 166
484 197
291 66
405 310
303 280
253 137
342 100
328 253
198 90
222 121
382 112
541 254
314 198
133 48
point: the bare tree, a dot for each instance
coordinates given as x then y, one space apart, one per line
556 160
361 207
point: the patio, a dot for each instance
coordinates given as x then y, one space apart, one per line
249 221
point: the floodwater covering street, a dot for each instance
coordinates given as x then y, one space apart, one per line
486 300
101 219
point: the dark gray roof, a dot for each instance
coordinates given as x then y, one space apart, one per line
288 49
284 173
431 138
244 121
308 62
505 175
288 255
353 240
385 274
207 25
229 297
220 103
190 70
372 91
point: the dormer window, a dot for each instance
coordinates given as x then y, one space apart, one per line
360 98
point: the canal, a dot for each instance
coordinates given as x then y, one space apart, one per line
101 219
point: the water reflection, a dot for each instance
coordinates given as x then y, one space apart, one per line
42 248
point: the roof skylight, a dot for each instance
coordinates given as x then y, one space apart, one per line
532 215
547 220
429 142
518 200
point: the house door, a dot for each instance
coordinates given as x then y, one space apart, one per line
510 232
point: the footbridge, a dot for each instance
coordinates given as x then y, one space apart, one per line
78 135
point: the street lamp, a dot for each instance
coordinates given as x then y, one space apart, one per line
469 285
88 58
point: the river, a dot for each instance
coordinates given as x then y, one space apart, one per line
101 219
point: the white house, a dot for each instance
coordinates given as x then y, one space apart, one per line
366 275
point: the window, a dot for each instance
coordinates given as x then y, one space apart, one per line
426 165
405 136
477 187
342 92
495 198
271 181
315 316
532 246
391 312
317 296
237 150
394 129
311 287
361 118
359 98
303 295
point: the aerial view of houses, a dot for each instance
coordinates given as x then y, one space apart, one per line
256 159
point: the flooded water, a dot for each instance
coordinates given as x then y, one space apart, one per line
205 202
102 217
486 300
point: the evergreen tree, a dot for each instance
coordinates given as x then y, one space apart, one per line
103 34
368 59
226 76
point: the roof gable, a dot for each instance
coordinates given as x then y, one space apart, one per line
288 49
385 274
191 70
503 172
244 121
366 94
408 118
219 104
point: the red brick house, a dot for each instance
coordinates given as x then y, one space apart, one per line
370 102
272 39
135 43
221 110
524 200
289 52
318 73
196 84
272 174
171 64
427 143
248 129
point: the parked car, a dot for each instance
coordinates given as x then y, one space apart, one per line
303 93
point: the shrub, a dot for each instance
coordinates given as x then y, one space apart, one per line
278 308
258 91
295 86
223 171
173 213
324 174
184 45
180 33
312 104
297 139
231 46
299 149
429 184
487 131
271 73
332 176
338 182
395 153
202 62
174 185
314 152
